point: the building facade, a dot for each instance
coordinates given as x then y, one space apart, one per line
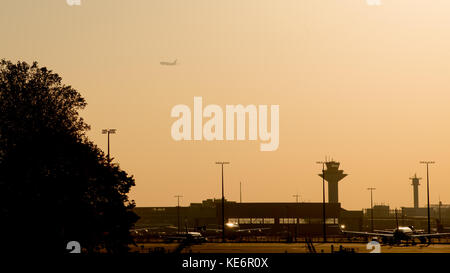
296 218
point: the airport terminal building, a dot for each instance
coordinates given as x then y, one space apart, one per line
302 219
298 218
294 218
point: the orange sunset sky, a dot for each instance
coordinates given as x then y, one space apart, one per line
366 85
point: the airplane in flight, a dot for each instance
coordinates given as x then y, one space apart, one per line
169 63
399 235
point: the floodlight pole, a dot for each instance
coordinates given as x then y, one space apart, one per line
108 145
223 204
178 211
323 201
428 193
240 192
108 132
296 219
371 207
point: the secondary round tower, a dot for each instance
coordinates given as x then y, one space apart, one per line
415 183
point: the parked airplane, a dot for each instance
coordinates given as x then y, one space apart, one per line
154 229
169 63
186 237
234 227
398 235
232 230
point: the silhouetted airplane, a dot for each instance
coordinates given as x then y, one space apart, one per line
186 237
162 228
399 234
169 63
232 229
235 228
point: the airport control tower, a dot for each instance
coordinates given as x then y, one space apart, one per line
415 184
333 175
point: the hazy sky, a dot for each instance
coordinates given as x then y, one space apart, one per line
366 85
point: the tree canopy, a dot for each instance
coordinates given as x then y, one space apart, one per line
56 185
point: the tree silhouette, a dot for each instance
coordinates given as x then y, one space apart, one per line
56 186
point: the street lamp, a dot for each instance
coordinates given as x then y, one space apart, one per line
323 201
108 132
223 203
428 193
371 207
296 214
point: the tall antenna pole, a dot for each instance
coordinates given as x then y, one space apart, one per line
178 211
240 192
296 197
223 204
371 208
428 193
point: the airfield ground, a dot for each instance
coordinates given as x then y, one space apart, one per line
287 248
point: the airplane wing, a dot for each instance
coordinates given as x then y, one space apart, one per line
214 229
430 235
146 228
238 230
251 229
362 233
153 228
383 231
